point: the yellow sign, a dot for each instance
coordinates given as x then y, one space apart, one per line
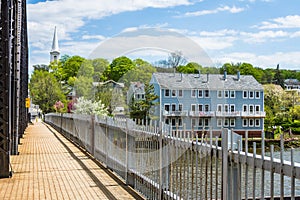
27 103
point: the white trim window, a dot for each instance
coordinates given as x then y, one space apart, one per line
180 107
245 122
245 108
174 93
200 93
173 122
179 122
206 107
193 123
180 93
206 93
167 107
219 107
251 109
226 93
200 107
200 124
232 108
257 108
251 122
245 94
219 93
251 94
226 122
226 108
219 122
193 107
167 93
232 122
232 94
206 122
193 93
257 122
173 107
257 94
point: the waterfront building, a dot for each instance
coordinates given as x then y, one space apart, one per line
136 91
203 101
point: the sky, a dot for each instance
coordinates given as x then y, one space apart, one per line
261 32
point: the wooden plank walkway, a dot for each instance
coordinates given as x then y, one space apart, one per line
51 167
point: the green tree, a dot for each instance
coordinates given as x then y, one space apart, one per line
45 90
141 109
118 68
100 65
278 77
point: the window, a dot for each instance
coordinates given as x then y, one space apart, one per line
232 108
143 96
167 107
167 93
257 95
138 96
200 93
206 108
232 122
245 108
200 107
179 122
251 122
257 122
226 122
232 94
219 108
173 107
245 94
193 124
257 108
180 94
226 108
167 121
200 124
193 107
251 109
180 107
245 122
219 122
219 94
226 94
173 93
193 93
206 93
173 122
251 94
206 122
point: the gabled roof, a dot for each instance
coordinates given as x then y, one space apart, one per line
206 81
292 82
137 87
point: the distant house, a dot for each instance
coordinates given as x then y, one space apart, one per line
292 84
210 101
136 91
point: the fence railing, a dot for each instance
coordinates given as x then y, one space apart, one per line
162 163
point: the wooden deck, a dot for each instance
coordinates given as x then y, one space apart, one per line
51 167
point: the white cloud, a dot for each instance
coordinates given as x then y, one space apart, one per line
232 9
263 36
91 37
290 21
287 60
70 15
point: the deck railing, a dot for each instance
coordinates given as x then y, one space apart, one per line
165 164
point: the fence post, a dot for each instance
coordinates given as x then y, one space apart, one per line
126 152
93 135
160 161
224 163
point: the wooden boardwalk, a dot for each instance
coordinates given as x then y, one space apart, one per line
51 167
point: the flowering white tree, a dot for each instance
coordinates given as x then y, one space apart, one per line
85 106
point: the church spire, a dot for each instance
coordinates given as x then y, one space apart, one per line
54 53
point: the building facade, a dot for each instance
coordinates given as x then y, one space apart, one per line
200 102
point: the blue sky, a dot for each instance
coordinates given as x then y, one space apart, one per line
261 32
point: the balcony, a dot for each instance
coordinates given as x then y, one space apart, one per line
202 113
228 114
258 114
175 113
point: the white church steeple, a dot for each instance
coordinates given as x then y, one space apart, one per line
54 53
